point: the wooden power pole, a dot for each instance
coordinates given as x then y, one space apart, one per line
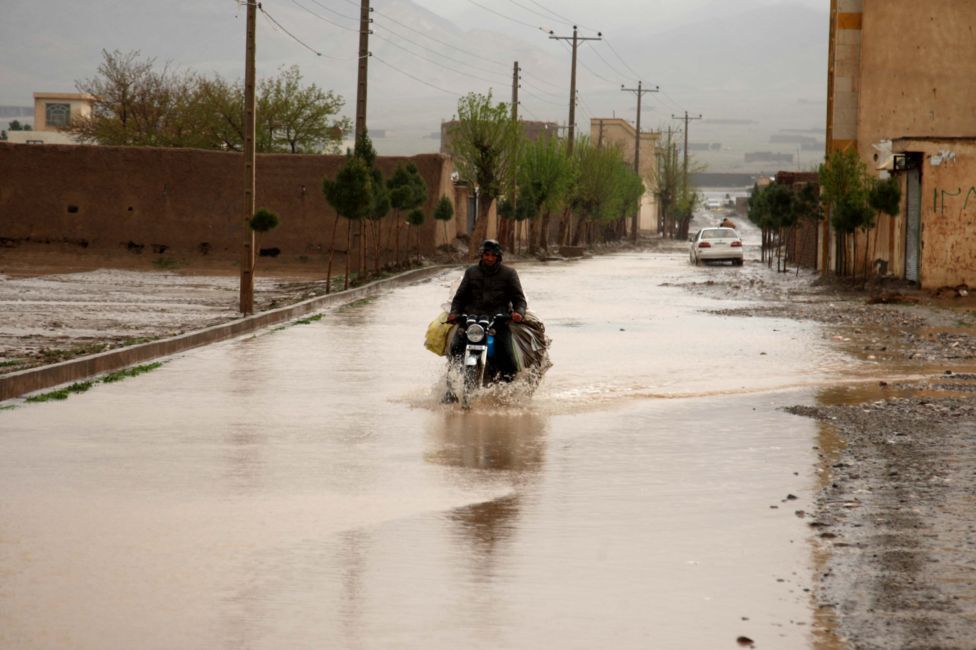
686 118
575 38
361 83
247 241
639 91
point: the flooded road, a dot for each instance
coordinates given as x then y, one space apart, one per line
305 488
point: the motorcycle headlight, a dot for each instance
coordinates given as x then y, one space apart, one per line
475 333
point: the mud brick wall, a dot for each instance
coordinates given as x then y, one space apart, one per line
186 201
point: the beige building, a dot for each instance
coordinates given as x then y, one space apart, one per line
617 132
901 91
52 112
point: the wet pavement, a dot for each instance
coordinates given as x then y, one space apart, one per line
305 488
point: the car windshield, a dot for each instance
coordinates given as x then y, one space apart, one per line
719 233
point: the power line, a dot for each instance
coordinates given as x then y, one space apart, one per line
563 18
438 63
445 43
540 99
294 38
498 13
415 78
331 22
337 13
423 47
626 65
534 12
473 55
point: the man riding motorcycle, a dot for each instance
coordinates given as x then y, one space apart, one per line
488 288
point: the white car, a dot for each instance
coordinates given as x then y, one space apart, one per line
716 244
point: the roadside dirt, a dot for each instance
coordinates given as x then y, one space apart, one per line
56 306
893 523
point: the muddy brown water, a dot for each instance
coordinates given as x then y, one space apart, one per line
305 487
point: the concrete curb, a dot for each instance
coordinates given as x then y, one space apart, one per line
20 383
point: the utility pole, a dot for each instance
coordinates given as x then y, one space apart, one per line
247 239
515 89
669 164
575 38
361 84
686 118
639 91
364 32
515 121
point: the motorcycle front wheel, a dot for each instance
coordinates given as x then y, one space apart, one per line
472 381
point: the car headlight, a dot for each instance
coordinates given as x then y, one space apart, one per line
475 333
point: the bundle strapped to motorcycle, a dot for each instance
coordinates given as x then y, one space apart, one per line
528 337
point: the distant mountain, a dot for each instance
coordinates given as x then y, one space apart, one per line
750 67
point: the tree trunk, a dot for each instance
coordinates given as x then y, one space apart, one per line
396 236
363 232
378 224
480 231
345 283
328 273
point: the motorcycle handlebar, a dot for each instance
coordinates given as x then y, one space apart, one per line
497 318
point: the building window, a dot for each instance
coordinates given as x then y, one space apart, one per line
57 114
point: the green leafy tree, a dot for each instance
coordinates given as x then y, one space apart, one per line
484 143
295 118
140 103
444 212
606 189
845 185
408 191
884 197
379 205
546 173
781 216
350 194
416 219
669 183
262 221
136 103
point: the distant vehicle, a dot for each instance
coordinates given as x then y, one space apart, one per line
714 245
713 204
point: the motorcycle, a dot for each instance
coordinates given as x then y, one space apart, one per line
477 364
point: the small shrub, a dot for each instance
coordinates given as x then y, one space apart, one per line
263 221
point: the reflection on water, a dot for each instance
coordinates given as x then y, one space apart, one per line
501 441
304 488
506 441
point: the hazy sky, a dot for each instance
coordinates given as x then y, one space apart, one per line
730 59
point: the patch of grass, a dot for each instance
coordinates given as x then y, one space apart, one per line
6 363
309 320
82 386
57 354
165 263
63 393
135 371
139 340
8 407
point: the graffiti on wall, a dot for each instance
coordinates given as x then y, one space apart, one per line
943 199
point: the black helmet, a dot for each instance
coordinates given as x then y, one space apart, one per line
491 245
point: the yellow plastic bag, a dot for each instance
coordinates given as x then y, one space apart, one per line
438 335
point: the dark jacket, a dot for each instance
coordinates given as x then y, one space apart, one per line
489 290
